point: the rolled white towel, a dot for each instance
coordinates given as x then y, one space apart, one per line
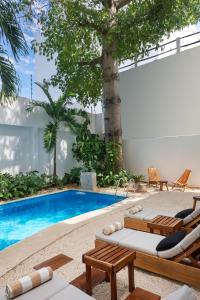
118 225
28 282
109 229
135 209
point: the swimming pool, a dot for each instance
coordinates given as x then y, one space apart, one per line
21 219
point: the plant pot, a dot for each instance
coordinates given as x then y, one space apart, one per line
88 181
141 187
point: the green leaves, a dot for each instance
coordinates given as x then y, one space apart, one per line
60 114
11 34
74 31
50 136
22 185
9 78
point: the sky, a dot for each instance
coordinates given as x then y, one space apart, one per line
26 66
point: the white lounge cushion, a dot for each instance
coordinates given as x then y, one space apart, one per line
71 293
190 238
183 293
147 214
115 237
195 213
142 241
43 292
187 219
171 252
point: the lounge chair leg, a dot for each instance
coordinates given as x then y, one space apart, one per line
88 280
131 277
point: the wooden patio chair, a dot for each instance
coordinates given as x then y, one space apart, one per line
153 175
182 181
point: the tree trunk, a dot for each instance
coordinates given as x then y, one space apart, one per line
54 161
111 98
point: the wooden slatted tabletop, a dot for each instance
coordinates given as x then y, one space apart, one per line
111 259
165 224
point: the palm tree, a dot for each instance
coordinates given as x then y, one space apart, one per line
60 115
12 35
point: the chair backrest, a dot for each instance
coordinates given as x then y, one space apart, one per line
184 177
153 174
188 240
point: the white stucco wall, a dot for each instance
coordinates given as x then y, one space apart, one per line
160 115
21 142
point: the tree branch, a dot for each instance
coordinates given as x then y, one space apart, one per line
122 3
91 63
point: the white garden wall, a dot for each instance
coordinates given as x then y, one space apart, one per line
161 115
21 142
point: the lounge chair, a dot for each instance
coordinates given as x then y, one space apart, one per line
54 289
153 175
177 263
182 181
139 220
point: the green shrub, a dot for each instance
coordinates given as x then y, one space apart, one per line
117 179
22 185
99 155
73 176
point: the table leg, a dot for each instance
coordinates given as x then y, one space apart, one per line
88 280
161 186
194 204
131 277
113 286
167 186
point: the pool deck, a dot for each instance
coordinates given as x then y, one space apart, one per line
75 236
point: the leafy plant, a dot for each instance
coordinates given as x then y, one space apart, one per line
89 149
59 114
11 34
117 179
73 176
22 185
100 155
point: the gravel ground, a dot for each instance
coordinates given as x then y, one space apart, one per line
81 240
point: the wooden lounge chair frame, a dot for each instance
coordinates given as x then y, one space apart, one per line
182 181
139 224
153 175
173 268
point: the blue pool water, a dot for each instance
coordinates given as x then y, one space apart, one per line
21 219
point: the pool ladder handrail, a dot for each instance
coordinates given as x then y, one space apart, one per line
127 185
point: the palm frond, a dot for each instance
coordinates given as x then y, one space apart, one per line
45 89
9 80
10 29
50 135
44 105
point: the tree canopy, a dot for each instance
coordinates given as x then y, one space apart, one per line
75 32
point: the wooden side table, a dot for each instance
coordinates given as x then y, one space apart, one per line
111 259
163 183
195 199
165 224
140 294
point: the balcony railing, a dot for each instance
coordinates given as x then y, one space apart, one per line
172 47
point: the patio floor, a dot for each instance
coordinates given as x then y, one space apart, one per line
81 238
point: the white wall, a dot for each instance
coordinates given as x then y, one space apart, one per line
160 115
21 142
